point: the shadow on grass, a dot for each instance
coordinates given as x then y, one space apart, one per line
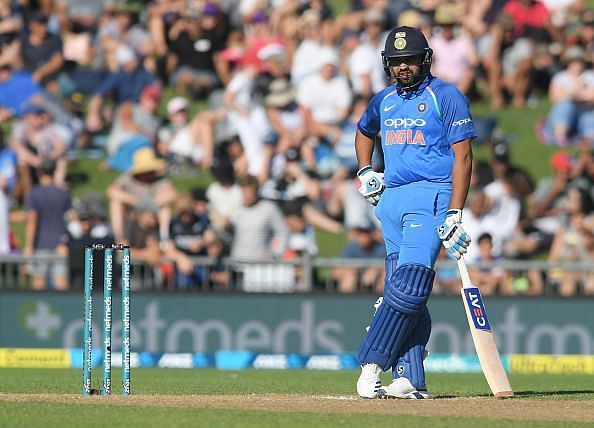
523 394
552 393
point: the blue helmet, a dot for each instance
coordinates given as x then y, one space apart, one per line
406 41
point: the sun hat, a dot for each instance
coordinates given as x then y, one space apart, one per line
144 160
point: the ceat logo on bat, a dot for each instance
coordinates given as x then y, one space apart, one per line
477 308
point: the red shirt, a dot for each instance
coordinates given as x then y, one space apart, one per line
536 15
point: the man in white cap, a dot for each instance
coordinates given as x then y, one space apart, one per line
187 141
326 97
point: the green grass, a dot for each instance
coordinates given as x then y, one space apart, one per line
65 415
210 381
164 382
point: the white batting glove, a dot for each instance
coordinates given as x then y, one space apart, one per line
453 236
372 184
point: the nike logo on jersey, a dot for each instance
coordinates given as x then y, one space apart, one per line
390 107
414 225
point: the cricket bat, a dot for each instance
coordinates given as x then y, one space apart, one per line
482 336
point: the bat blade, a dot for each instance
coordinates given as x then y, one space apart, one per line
482 336
484 342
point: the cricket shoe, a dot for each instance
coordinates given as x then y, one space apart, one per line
402 388
369 381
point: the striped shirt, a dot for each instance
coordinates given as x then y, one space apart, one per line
261 232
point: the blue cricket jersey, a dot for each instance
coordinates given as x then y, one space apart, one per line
418 129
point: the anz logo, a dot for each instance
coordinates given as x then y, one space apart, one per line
404 122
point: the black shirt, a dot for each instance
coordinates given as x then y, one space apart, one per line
36 56
196 52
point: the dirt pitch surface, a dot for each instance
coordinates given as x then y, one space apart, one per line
519 409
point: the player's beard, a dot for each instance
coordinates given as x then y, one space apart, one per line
408 77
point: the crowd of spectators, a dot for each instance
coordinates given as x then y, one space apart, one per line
280 85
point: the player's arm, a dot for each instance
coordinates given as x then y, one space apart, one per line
372 183
459 131
363 149
461 172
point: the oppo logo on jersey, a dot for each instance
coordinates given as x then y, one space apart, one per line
462 121
404 122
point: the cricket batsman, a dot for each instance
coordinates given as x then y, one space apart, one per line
426 131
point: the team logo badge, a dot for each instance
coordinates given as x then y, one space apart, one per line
400 370
400 43
422 107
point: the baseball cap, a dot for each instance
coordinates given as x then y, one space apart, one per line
210 9
38 16
561 161
271 50
153 92
124 54
574 53
328 56
199 194
176 104
259 17
35 109
501 152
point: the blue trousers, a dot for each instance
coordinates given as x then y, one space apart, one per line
410 216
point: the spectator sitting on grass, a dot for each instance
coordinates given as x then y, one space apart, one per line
183 141
41 52
144 179
135 126
572 93
126 84
193 55
35 140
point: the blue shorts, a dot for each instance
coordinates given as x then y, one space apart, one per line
410 216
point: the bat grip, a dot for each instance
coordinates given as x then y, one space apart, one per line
466 283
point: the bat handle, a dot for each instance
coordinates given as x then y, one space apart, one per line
466 283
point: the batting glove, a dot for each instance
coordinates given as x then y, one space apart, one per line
372 184
454 238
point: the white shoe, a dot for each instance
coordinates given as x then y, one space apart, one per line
369 381
402 388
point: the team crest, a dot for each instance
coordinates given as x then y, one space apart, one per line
422 107
400 370
400 43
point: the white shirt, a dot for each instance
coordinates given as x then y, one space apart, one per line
225 201
365 60
566 81
502 218
304 60
241 86
325 98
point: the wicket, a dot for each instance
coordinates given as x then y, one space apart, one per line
107 318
